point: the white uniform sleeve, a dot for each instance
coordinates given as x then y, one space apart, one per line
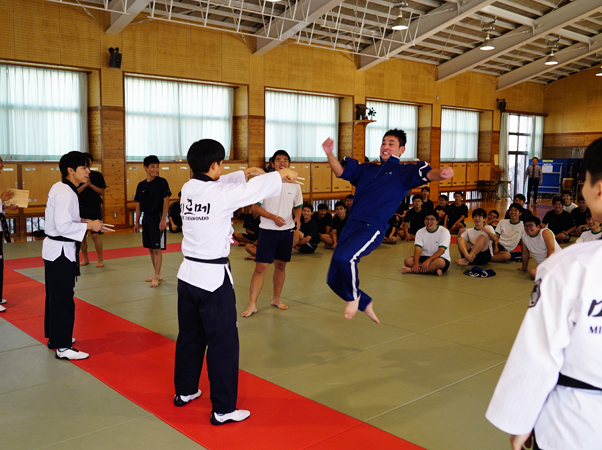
234 177
64 223
537 355
258 188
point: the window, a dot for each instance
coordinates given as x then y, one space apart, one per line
389 116
43 113
525 134
300 124
164 118
459 135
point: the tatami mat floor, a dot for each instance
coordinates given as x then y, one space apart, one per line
426 374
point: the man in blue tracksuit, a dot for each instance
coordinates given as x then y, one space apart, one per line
379 191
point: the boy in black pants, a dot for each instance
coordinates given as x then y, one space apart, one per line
152 196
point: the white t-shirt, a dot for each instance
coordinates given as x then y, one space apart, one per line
570 207
472 234
537 245
588 236
509 233
282 205
431 242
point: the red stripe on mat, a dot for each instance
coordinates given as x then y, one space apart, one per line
138 364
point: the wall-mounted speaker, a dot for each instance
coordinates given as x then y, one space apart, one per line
115 59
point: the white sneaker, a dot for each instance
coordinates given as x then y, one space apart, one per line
181 400
72 354
235 416
2 302
2 309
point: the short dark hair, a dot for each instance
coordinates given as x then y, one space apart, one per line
150 159
536 220
340 203
399 134
580 199
518 206
430 212
349 197
521 197
497 214
592 161
72 160
425 188
459 192
417 197
535 157
89 157
479 212
444 196
588 214
202 154
323 206
308 205
281 152
556 199
567 192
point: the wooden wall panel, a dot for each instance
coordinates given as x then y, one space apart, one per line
235 59
345 140
134 173
323 75
424 144
256 141
276 67
304 171
38 178
205 54
484 150
375 82
300 63
94 89
79 38
173 50
240 142
321 176
94 134
392 79
344 73
113 148
111 86
140 48
108 40
360 86
7 30
9 178
37 33
257 87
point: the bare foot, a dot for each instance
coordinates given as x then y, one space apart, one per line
85 262
370 313
100 264
439 272
155 282
462 262
470 258
405 270
249 311
148 280
278 304
351 308
250 258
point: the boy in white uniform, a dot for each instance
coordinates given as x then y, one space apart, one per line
551 388
475 244
431 248
537 242
593 234
280 216
60 251
206 301
510 232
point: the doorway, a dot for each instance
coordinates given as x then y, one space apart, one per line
517 167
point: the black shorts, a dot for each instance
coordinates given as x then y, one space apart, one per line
92 213
152 236
424 258
308 248
274 245
250 237
482 258
501 248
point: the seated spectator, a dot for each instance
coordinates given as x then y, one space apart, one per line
427 203
440 209
510 232
391 233
524 213
306 239
336 228
594 233
456 213
579 216
323 218
567 201
173 214
493 218
431 248
537 242
349 202
401 212
558 221
251 226
414 220
475 244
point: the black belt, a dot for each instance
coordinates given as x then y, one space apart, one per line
564 380
223 260
78 245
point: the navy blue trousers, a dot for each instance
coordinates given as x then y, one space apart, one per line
358 239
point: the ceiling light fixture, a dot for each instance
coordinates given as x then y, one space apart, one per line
488 43
551 60
401 23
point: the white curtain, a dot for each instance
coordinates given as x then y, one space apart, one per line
43 113
300 124
503 152
389 116
164 118
459 135
536 144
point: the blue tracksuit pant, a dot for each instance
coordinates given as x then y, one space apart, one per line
357 239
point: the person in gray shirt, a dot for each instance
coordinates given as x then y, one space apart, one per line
535 179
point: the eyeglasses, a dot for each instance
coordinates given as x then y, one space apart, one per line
430 219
